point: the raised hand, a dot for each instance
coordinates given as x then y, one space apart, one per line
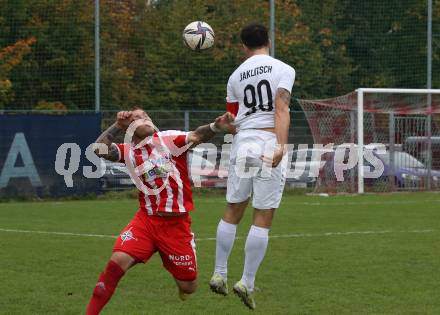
124 119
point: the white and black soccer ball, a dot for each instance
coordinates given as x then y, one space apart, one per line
198 35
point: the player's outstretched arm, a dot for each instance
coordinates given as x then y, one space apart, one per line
123 120
223 123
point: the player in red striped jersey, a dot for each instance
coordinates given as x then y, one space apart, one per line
162 222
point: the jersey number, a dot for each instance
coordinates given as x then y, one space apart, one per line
250 100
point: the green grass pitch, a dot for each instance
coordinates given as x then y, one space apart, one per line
372 254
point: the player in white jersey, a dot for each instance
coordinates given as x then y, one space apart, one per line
258 93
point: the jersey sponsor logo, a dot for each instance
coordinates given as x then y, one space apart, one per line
137 172
127 236
159 167
256 71
181 260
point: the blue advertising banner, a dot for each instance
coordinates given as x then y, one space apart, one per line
30 145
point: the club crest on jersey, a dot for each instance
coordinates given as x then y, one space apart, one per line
127 236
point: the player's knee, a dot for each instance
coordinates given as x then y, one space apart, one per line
263 218
188 287
191 288
124 260
234 213
231 218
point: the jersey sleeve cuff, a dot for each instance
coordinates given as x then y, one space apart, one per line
119 152
284 86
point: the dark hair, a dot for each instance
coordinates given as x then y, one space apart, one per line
254 36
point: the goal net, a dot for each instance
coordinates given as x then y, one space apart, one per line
398 127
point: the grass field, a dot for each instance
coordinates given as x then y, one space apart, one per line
372 254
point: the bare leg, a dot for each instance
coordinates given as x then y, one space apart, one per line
186 288
234 212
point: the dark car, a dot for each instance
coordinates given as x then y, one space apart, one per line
116 176
204 172
304 166
208 174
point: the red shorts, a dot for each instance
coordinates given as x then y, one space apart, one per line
170 236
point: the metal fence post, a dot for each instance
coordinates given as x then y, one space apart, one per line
97 60
360 139
352 140
186 120
429 86
272 28
392 136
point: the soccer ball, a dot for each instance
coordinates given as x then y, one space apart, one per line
198 35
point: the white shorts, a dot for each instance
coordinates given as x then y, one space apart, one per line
247 174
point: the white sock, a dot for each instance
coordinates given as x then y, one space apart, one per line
255 249
224 242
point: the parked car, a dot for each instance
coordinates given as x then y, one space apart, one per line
408 171
115 176
305 166
205 171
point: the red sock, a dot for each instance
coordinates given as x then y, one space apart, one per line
108 280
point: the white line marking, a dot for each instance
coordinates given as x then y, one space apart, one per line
294 235
332 202
366 203
57 233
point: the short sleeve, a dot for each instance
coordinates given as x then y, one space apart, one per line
287 79
122 147
172 138
180 139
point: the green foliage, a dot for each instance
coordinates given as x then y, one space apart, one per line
335 46
60 65
387 42
10 58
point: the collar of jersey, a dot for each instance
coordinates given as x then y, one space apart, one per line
255 57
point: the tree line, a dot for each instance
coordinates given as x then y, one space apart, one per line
47 50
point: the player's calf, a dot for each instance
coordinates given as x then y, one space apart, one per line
106 285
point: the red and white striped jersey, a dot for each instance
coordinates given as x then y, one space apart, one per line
162 160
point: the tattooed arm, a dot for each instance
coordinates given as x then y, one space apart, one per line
107 138
282 115
282 123
223 123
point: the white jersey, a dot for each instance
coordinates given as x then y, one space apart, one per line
253 85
